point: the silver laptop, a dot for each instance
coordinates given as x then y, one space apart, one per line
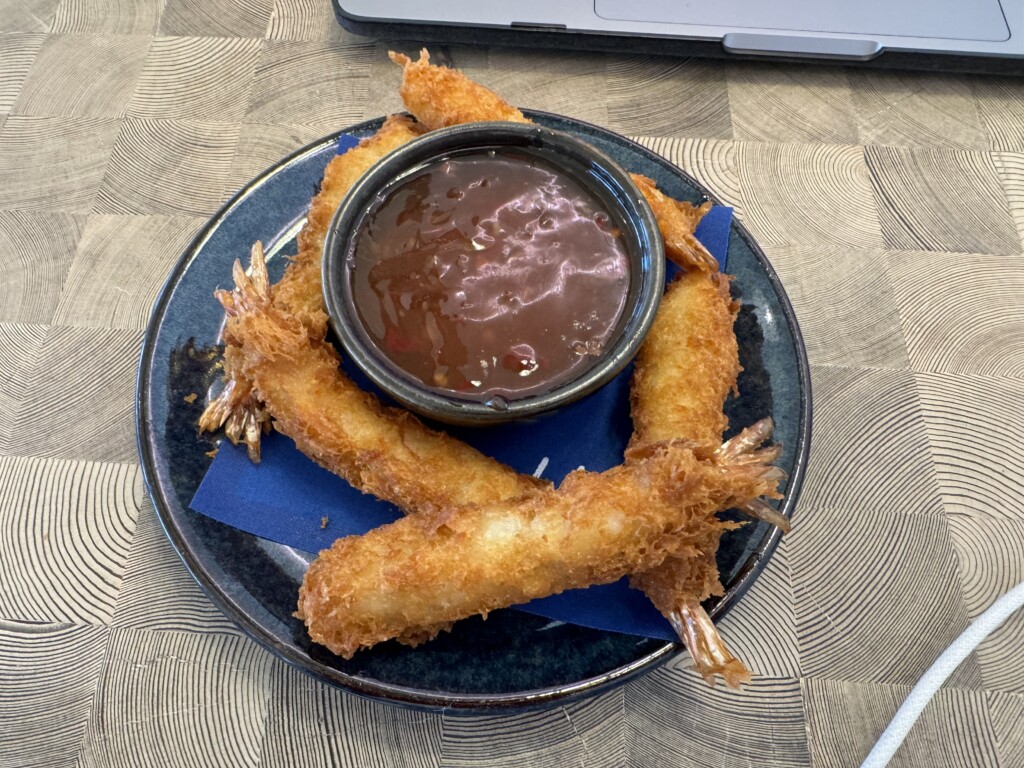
983 35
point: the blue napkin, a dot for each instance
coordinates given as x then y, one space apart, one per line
289 499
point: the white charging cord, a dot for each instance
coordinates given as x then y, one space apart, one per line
937 674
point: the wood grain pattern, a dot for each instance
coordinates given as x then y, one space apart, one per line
794 193
169 167
955 730
27 15
305 20
1011 173
571 84
51 88
587 733
891 204
788 103
317 84
157 593
1007 714
38 247
713 163
1001 657
667 97
21 344
48 674
310 724
973 422
262 146
884 458
17 52
761 629
1001 107
905 109
114 17
938 200
184 78
673 719
224 18
99 291
878 596
79 397
991 556
173 699
72 524
53 163
845 303
981 331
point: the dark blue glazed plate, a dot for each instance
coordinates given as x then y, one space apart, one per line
514 659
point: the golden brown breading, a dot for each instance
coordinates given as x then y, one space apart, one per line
684 371
409 581
278 347
383 451
677 221
299 290
238 408
440 97
688 363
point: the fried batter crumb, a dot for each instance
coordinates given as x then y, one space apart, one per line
323 522
190 398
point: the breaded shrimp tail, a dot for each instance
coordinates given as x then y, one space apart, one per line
238 408
677 221
408 581
383 451
440 97
679 584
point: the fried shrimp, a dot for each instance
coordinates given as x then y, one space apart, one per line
677 221
409 581
684 372
440 97
383 451
688 363
483 536
238 408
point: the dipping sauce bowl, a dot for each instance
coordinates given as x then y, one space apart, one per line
492 271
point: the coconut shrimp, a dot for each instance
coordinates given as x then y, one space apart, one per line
408 580
279 364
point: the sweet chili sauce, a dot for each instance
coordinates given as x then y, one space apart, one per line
489 274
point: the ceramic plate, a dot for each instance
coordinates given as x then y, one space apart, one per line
513 659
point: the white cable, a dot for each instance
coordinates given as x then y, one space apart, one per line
937 673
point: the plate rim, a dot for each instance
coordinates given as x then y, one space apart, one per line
378 690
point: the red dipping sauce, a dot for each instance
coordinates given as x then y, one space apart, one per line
490 274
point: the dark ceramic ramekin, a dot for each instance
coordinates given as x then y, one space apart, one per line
595 171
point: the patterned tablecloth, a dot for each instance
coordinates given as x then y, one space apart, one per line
891 204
